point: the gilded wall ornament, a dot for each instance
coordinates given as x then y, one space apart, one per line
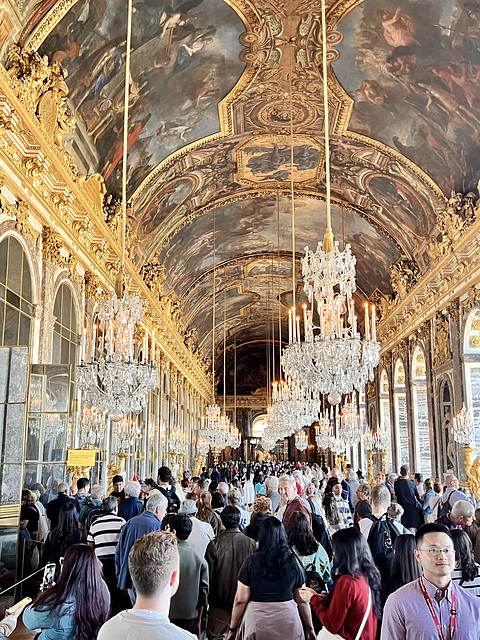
92 284
403 277
371 389
153 274
51 245
441 347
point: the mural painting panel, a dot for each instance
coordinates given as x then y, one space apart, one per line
412 68
184 61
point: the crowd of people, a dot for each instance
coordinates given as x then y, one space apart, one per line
259 550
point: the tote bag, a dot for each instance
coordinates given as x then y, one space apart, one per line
325 634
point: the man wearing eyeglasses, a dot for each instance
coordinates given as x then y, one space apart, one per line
432 607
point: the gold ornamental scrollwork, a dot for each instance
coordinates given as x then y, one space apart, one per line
371 389
92 285
51 245
42 88
153 274
403 277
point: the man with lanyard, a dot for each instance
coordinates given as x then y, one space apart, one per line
288 491
432 607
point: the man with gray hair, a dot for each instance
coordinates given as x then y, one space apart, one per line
287 489
133 530
92 508
271 485
54 506
131 506
154 566
461 516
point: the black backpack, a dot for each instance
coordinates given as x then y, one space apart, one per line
313 579
444 507
172 498
381 540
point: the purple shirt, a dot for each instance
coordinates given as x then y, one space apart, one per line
407 617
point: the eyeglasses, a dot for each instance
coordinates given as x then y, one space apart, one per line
436 552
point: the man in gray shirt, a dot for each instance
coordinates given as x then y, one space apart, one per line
154 568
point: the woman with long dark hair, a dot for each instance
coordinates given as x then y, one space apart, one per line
77 605
309 551
65 534
467 571
355 597
404 567
267 600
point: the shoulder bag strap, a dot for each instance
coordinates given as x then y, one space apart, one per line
365 617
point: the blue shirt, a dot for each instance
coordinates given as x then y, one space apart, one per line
135 529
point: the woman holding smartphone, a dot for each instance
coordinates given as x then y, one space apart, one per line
353 607
77 605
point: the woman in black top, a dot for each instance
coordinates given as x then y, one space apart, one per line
267 600
65 535
29 515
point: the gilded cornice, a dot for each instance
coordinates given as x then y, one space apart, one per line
63 203
451 275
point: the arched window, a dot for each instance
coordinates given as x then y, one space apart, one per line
385 422
401 422
446 417
65 337
16 294
420 413
471 350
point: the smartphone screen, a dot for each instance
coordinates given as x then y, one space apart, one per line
48 575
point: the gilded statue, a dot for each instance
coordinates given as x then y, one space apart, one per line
441 351
473 474
403 276
43 88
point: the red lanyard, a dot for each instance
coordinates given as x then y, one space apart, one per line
453 611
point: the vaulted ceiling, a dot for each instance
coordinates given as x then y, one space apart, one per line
218 87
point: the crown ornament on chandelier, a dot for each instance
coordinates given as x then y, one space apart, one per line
332 356
119 375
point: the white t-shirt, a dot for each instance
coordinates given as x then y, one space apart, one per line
201 535
141 624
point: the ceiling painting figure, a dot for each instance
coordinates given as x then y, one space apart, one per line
412 70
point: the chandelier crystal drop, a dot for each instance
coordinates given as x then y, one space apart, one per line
117 381
463 428
338 446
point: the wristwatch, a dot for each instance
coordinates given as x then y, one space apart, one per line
233 630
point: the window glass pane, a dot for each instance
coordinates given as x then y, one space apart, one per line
26 308
66 302
33 437
2 314
402 426
58 304
56 348
11 326
475 402
24 337
64 351
14 274
13 299
3 261
26 281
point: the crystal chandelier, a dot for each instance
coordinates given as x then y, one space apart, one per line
338 446
203 446
91 427
118 381
126 431
323 433
301 440
350 424
294 406
463 429
332 357
178 442
375 440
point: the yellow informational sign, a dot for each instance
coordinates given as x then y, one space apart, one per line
81 457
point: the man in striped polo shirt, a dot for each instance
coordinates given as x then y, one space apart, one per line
103 536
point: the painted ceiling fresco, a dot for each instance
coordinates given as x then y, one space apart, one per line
412 69
185 59
220 94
